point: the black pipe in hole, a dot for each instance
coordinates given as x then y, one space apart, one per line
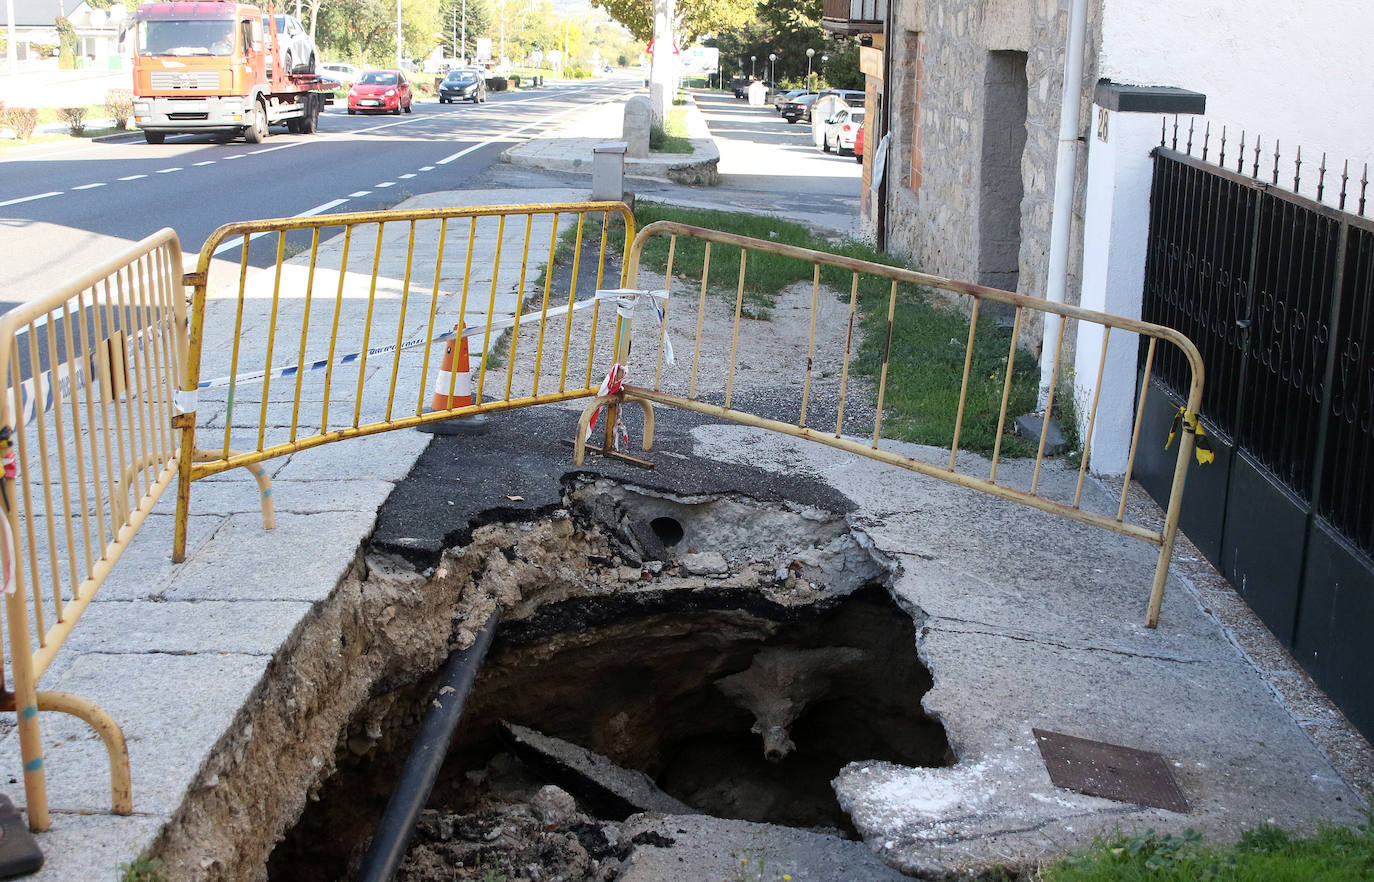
667 529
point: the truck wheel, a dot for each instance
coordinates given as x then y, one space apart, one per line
293 126
256 132
154 137
310 123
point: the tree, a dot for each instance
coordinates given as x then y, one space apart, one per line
693 17
479 23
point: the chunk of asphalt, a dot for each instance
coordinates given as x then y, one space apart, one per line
608 790
1030 426
19 854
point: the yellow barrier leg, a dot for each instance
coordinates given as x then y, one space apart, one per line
121 786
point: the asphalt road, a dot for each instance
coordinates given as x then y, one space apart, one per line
66 209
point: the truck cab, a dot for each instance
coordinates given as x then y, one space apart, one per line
216 66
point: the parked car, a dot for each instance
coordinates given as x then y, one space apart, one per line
852 97
380 91
297 49
340 71
464 84
781 98
842 128
859 145
799 107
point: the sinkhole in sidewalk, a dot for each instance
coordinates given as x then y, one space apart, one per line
723 658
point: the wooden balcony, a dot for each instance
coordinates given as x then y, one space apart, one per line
853 16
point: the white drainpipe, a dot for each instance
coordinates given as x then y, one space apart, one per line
1061 223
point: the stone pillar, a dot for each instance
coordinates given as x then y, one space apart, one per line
1125 128
635 130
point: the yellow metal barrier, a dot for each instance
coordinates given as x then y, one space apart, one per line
89 373
340 342
824 380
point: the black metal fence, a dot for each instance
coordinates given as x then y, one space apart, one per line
1277 291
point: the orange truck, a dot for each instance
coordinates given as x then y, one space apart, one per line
215 67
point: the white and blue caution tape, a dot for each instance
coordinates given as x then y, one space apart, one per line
477 330
627 298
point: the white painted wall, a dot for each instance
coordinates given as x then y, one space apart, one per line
1115 233
1301 71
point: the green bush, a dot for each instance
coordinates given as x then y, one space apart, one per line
75 118
577 73
119 103
496 84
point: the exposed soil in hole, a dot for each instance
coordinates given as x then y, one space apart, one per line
729 677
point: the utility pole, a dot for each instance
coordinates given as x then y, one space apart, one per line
463 52
400 46
662 69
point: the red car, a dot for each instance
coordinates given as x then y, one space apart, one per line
859 145
380 91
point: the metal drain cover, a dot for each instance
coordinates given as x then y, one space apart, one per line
1110 771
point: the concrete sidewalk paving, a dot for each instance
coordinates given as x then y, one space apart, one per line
1024 621
570 149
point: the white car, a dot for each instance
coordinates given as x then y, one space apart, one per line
340 70
842 128
297 49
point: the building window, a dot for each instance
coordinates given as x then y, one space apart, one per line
911 105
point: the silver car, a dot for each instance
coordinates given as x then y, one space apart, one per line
297 49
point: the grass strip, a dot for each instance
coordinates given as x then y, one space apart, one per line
1264 854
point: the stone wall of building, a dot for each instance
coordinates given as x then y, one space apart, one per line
940 90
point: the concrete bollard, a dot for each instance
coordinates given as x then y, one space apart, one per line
635 131
608 171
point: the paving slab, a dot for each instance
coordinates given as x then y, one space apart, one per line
1027 621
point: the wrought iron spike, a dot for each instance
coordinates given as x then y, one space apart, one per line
1364 188
1345 183
1254 169
1321 177
1206 137
1191 120
1163 130
1221 157
1297 169
1240 160
1175 140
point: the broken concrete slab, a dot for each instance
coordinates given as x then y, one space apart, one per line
702 847
609 790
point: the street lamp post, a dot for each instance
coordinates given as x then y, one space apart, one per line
809 53
772 71
752 59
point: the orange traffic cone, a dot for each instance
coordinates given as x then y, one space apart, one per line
446 381
452 389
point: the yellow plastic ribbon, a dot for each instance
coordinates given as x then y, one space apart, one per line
1189 422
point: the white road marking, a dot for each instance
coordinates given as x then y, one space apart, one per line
508 135
385 184
355 194
407 176
427 168
31 198
235 156
206 162
168 171
89 186
132 177
237 241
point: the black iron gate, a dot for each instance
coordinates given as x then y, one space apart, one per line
1277 291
